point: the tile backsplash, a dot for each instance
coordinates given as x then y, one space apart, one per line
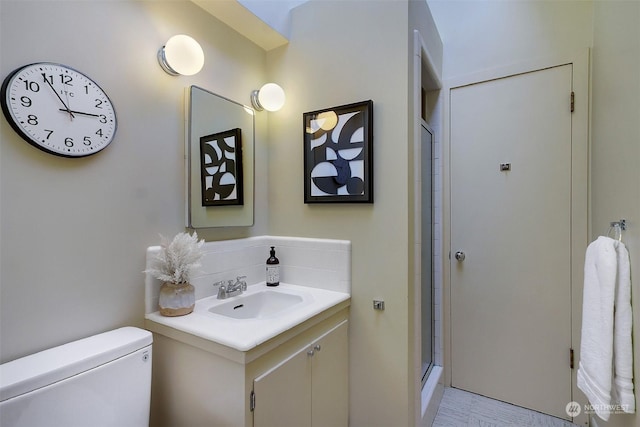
318 263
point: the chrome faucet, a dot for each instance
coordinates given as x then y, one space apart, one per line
231 289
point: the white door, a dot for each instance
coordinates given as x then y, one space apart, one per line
511 222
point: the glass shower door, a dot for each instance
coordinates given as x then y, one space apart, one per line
427 251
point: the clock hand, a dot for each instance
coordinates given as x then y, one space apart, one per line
80 112
44 76
68 104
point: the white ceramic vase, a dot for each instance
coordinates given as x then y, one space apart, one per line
176 299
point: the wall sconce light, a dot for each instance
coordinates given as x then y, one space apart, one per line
270 97
181 55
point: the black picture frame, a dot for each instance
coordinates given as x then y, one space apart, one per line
221 168
338 154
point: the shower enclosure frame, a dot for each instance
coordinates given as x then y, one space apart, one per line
428 101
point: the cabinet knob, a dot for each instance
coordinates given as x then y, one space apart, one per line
314 349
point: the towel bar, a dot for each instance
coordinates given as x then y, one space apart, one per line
618 227
622 224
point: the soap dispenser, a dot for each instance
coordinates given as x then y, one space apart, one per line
273 269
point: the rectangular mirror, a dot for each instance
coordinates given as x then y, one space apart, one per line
219 161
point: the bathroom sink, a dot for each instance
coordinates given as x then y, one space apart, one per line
259 314
257 305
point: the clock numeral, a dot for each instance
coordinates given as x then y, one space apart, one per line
99 132
103 118
98 103
48 78
32 86
68 142
66 79
49 132
25 101
87 140
32 119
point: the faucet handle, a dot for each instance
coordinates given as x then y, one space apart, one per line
240 281
222 290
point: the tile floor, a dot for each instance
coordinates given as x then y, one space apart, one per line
461 409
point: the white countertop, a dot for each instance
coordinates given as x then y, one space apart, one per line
246 334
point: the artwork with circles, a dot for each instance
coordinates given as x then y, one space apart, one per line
221 168
338 154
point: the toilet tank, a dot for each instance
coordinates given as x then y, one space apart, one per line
100 381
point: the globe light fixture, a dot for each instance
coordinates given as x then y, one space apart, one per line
181 55
269 97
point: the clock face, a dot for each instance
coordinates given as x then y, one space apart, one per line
58 109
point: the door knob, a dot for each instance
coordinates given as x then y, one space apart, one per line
460 256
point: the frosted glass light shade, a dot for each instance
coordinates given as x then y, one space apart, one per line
270 97
181 55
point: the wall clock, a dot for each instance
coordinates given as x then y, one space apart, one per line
58 109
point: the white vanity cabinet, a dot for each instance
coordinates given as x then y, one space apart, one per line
197 382
307 389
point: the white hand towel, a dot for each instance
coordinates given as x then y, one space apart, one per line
622 345
606 346
596 347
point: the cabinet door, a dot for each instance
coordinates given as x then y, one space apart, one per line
283 394
330 379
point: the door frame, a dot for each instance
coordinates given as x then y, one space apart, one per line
580 208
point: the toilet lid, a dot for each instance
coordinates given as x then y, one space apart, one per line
38 370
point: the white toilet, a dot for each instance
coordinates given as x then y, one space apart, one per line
100 381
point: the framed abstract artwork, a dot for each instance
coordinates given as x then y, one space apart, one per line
338 154
221 168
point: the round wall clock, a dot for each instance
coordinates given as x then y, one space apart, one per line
58 109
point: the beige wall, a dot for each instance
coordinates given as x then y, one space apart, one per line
356 54
615 143
485 34
74 231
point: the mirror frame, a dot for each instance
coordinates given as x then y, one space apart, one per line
219 114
